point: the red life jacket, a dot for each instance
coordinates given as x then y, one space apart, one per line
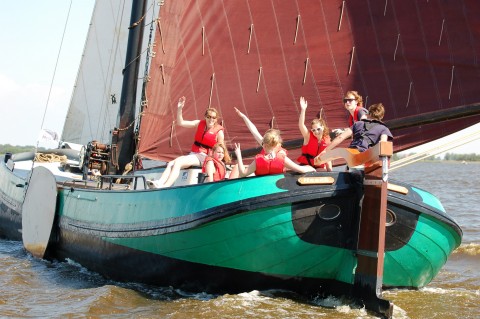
311 150
220 170
267 166
354 118
205 139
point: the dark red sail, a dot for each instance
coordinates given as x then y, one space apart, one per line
415 57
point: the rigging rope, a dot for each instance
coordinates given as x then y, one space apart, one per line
51 84
56 64
434 151
50 158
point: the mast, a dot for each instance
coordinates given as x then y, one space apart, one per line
123 141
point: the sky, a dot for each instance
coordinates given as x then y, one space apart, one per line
31 37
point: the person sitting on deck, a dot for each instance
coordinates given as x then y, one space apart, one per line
214 165
315 140
366 133
353 103
208 133
272 160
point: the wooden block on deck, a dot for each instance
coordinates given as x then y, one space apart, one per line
354 158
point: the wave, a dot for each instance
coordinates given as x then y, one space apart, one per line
471 249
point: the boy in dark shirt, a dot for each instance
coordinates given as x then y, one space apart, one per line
366 132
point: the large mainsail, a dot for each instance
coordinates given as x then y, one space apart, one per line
415 57
95 100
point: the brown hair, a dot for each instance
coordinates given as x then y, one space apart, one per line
376 111
357 96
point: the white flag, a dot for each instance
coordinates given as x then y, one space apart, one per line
48 136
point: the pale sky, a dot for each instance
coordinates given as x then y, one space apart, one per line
31 37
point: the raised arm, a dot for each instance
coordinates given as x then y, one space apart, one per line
180 120
301 120
242 172
251 127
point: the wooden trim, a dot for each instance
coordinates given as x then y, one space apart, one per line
316 180
397 188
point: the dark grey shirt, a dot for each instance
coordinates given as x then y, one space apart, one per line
367 133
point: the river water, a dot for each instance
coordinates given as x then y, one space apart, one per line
33 288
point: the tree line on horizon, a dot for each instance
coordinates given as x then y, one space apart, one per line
472 157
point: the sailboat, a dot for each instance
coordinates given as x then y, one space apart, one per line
267 231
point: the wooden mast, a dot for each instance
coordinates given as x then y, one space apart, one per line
123 141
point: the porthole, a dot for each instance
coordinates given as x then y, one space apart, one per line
328 212
391 218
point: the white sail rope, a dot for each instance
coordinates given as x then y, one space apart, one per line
53 80
434 151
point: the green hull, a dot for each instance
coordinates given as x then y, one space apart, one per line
268 227
263 225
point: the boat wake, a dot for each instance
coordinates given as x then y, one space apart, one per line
470 249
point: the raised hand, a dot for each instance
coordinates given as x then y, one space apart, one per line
181 102
303 103
238 151
239 113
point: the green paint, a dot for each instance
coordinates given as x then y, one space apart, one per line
429 199
260 241
420 260
145 206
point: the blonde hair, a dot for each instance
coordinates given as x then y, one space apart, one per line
321 122
226 155
211 109
272 138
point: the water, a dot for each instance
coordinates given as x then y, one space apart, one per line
33 288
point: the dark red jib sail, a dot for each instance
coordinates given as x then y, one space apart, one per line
416 57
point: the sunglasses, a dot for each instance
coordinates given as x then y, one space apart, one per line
348 100
208 117
318 129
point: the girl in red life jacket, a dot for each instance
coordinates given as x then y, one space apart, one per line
214 165
353 102
272 160
208 133
315 140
